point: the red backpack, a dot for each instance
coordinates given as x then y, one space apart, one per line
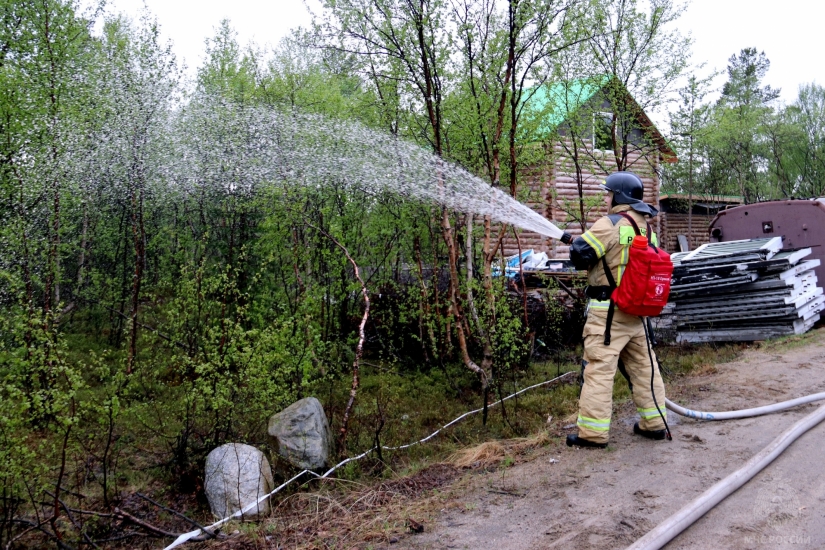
645 284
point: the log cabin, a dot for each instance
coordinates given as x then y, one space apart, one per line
690 216
585 129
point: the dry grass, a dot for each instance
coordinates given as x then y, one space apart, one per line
786 343
492 452
347 515
485 454
341 514
704 370
572 417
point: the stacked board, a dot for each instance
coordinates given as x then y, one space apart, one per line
742 291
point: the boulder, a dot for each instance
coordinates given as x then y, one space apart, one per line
236 476
300 434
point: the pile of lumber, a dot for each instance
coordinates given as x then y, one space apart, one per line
742 291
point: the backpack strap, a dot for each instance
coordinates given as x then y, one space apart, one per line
636 229
612 282
611 308
629 218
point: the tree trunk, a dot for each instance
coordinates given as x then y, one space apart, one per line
139 238
454 306
690 195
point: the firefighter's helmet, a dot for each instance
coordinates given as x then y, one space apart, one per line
627 188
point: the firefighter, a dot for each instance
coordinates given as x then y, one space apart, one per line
612 338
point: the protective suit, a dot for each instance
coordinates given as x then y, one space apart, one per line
607 340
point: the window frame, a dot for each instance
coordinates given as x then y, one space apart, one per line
603 116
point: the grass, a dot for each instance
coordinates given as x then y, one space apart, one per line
379 498
523 419
532 419
369 510
413 405
679 361
497 452
786 343
352 515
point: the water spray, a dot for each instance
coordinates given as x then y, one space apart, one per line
313 151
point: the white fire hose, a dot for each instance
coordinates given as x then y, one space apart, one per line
690 513
744 413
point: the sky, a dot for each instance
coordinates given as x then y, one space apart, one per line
790 32
188 23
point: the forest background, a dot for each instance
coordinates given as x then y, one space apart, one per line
159 298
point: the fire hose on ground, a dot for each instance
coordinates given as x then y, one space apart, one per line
695 509
744 413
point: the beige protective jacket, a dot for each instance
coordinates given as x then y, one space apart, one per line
610 236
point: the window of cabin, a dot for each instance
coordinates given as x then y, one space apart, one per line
602 133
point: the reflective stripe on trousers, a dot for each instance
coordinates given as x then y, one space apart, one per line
597 424
652 412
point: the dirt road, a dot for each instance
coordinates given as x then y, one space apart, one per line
600 499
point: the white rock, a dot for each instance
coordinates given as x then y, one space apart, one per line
236 476
301 435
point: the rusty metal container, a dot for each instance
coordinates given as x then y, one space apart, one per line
800 222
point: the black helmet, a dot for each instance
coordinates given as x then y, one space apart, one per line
627 188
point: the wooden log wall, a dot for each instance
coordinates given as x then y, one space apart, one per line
551 189
535 192
674 224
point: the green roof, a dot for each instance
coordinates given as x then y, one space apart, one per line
555 102
552 104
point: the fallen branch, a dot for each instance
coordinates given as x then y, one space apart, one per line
71 519
32 527
122 514
189 520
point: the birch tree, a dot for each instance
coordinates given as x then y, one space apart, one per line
636 46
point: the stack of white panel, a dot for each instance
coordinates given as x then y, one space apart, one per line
743 291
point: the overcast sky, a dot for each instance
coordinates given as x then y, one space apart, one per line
790 32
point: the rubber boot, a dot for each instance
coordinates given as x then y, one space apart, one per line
573 439
650 434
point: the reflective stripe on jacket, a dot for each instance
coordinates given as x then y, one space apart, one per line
610 237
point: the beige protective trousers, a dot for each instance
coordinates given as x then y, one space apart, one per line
600 364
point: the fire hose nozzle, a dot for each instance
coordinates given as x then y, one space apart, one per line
566 238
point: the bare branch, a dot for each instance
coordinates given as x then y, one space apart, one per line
359 348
